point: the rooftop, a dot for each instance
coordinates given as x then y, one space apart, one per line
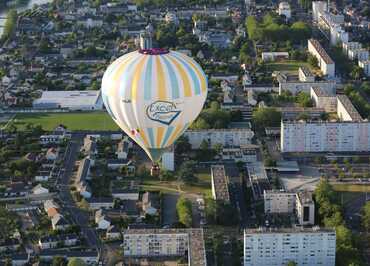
351 110
196 244
296 229
305 197
321 93
323 54
220 183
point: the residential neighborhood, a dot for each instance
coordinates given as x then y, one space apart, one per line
255 148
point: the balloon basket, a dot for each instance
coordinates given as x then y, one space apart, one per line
154 171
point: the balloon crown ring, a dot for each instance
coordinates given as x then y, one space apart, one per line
154 51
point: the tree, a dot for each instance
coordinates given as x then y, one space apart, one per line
76 262
252 28
182 145
312 60
366 216
292 263
266 117
357 73
59 261
186 172
184 211
304 99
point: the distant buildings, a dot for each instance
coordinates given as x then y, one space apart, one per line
326 64
71 100
157 243
354 51
276 247
350 133
225 137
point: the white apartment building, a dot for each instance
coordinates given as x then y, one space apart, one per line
284 9
326 64
305 74
305 208
225 137
304 246
148 243
351 46
277 201
365 65
350 134
324 100
317 8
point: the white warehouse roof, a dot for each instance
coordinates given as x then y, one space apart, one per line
73 100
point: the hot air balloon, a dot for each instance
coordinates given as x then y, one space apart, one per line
154 95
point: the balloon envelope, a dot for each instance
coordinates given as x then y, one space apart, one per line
153 96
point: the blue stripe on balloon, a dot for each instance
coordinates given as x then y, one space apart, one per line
148 79
151 137
167 135
173 80
106 103
190 71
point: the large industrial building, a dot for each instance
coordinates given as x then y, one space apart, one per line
164 243
276 247
350 133
70 100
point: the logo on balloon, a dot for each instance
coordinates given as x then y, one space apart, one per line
162 112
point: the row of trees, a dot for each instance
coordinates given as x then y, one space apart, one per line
362 106
10 24
184 211
212 117
273 29
330 215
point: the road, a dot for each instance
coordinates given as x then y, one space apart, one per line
80 217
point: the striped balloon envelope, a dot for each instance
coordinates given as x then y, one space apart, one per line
154 95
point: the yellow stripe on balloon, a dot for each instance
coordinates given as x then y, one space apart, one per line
160 79
138 72
199 74
160 132
143 137
174 135
183 75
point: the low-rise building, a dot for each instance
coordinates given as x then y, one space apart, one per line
305 208
150 203
305 74
100 203
89 257
58 222
326 64
324 100
220 184
304 246
48 242
128 193
274 56
225 137
102 220
284 10
113 232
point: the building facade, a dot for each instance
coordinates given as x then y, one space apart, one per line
277 201
326 64
309 246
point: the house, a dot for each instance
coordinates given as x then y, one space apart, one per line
39 189
48 204
113 232
51 154
52 212
89 148
47 242
150 203
20 207
20 259
125 193
58 222
102 220
100 203
123 148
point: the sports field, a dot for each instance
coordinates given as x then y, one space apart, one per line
351 188
287 66
73 121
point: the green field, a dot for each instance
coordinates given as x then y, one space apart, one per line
73 121
351 188
287 66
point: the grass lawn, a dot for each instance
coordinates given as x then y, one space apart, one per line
288 66
351 188
73 121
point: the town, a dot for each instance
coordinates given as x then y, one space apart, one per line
275 170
